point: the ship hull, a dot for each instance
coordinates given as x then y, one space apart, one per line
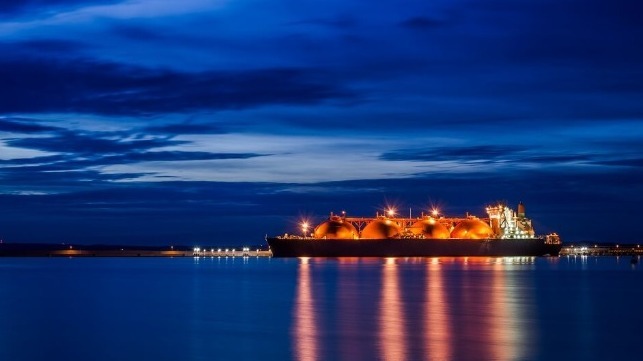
410 247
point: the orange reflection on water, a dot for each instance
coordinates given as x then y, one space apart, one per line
470 308
437 330
508 337
305 331
498 316
392 326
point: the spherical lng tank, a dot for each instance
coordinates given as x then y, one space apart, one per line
472 228
381 228
429 228
335 228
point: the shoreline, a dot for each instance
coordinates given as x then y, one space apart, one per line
66 250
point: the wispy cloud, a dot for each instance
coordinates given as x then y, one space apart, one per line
629 162
186 128
90 143
71 12
23 125
454 153
115 89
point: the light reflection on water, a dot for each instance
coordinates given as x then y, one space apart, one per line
392 331
476 310
506 311
437 329
305 316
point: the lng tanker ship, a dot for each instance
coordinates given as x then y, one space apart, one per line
503 232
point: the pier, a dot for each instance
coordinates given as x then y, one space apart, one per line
231 252
601 249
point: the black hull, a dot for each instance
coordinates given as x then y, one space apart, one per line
409 247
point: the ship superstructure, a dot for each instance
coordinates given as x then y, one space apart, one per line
508 224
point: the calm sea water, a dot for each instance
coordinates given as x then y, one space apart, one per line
315 309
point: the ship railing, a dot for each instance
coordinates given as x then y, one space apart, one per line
294 236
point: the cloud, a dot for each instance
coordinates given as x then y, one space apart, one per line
90 143
630 162
84 86
81 150
48 159
82 156
506 154
37 179
9 8
556 158
458 153
71 162
40 47
186 128
66 12
173 156
23 125
137 32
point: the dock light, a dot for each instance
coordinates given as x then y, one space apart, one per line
304 227
196 249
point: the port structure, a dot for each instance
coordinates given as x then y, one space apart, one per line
229 252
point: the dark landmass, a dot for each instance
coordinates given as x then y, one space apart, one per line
601 249
67 250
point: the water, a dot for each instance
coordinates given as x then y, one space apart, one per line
316 309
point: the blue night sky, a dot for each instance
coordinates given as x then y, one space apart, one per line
217 122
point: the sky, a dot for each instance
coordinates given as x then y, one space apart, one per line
216 122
